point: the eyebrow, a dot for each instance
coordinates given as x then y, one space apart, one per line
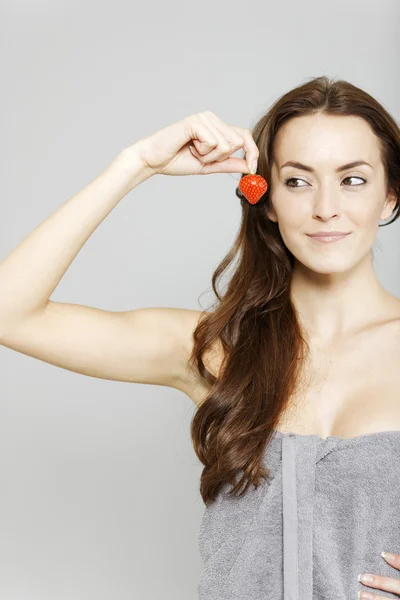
350 165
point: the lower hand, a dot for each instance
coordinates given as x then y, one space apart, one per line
387 584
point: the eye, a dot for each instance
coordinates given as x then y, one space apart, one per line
364 181
293 179
355 177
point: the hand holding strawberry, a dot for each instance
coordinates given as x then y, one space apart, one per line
200 144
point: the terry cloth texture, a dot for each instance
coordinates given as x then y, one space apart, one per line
329 509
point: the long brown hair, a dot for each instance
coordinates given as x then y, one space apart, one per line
254 321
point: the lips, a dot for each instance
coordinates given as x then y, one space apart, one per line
329 238
328 234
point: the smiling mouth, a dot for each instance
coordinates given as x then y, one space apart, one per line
328 238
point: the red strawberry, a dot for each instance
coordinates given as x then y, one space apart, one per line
253 187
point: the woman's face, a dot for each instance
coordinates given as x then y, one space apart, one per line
351 201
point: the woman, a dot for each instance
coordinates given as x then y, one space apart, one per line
294 371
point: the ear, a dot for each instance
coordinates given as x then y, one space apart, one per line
389 205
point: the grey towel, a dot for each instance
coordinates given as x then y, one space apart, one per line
328 511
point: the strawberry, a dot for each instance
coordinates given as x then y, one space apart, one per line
253 187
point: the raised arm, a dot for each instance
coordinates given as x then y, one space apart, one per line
148 345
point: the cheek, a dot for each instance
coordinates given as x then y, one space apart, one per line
294 217
293 228
364 216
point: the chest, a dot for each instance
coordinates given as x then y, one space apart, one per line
348 389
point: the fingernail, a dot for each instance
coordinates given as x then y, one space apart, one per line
254 165
388 555
365 578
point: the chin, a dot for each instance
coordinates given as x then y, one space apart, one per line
326 265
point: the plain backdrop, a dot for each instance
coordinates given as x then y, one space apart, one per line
99 496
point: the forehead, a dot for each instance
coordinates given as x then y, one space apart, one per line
318 139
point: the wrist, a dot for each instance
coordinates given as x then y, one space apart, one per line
132 168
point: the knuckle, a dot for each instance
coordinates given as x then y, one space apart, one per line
239 142
190 121
227 147
187 125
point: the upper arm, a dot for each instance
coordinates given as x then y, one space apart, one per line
146 345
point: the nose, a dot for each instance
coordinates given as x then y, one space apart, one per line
326 204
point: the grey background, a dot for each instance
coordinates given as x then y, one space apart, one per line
99 481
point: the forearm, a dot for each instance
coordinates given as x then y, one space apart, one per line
32 271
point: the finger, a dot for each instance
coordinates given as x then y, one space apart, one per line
371 595
224 148
199 133
227 165
392 559
251 150
388 584
229 142
232 137
242 139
